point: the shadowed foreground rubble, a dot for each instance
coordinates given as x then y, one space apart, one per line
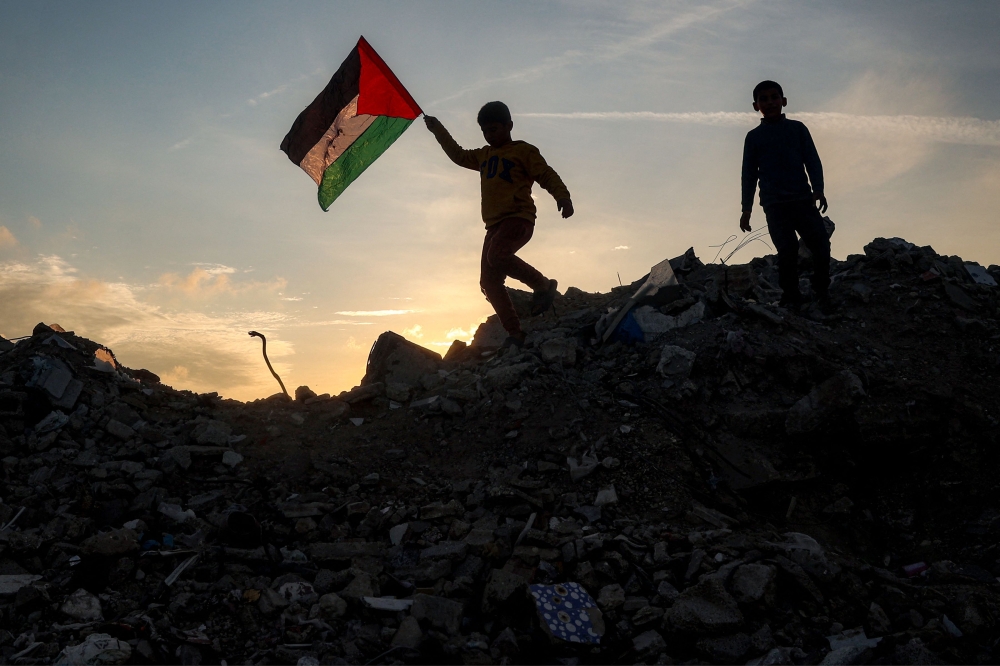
744 485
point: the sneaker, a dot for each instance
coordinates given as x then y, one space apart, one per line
793 303
542 300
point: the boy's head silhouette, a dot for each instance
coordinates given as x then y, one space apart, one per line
769 99
494 119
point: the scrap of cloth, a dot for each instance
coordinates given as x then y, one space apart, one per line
359 114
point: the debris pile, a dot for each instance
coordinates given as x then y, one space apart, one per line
721 481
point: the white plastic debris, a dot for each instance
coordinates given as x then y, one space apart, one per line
97 649
174 512
391 604
979 275
852 638
586 465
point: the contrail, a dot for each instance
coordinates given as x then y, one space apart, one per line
943 129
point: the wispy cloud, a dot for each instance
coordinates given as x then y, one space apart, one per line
941 129
253 101
373 313
179 145
606 52
212 281
621 247
7 238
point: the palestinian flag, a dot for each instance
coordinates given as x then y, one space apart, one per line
351 123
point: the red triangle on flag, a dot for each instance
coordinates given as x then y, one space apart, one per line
380 92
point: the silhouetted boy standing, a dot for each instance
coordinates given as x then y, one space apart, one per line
780 152
507 169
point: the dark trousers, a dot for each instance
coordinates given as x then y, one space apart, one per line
499 262
783 221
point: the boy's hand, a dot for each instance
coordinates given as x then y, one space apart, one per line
745 221
566 206
433 124
821 199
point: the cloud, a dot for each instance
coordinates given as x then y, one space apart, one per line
211 281
7 238
621 247
205 352
180 145
607 52
264 95
373 313
414 331
940 129
35 222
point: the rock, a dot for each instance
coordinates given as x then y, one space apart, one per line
878 622
830 398
409 634
119 430
436 510
648 643
559 350
752 582
725 649
332 606
959 297
212 433
490 334
675 363
503 591
394 359
231 458
363 585
705 608
398 391
82 606
449 550
115 542
653 322
508 376
847 656
11 583
344 550
915 652
779 656
439 612
610 597
606 496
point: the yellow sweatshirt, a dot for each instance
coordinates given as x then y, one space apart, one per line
506 174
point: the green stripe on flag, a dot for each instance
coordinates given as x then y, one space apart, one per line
352 162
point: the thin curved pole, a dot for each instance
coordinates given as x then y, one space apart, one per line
263 350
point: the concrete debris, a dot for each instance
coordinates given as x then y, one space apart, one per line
142 523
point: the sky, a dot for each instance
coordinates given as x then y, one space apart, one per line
144 202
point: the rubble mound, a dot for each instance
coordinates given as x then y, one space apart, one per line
722 481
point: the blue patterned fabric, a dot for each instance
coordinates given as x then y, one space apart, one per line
565 610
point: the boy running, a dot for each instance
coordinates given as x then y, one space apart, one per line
507 169
780 152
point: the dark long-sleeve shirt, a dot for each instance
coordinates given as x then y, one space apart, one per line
775 153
